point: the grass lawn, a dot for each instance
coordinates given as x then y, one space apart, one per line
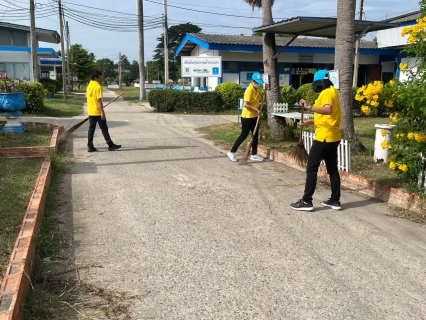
18 179
32 137
131 94
362 163
58 107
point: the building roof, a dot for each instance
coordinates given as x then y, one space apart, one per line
412 16
44 35
248 42
321 27
41 52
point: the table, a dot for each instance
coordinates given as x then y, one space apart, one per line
295 116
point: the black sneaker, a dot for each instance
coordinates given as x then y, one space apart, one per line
113 147
335 205
91 149
302 206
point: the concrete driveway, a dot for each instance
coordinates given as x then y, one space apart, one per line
170 218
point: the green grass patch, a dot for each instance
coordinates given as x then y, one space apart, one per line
131 94
57 107
32 137
18 179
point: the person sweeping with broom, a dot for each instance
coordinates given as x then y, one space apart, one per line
249 118
327 116
95 110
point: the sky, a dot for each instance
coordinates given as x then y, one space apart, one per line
85 19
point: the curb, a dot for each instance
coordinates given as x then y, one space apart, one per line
15 284
392 196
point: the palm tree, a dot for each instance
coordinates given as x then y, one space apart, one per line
343 61
270 64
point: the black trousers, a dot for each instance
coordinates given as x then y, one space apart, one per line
93 120
326 151
247 125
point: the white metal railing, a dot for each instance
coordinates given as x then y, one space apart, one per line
343 152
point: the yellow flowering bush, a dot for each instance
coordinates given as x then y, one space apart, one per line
409 106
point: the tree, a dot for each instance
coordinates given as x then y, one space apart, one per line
343 61
83 63
175 36
153 70
107 67
270 64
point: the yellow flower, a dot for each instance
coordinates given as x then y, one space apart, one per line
403 66
400 135
384 133
392 82
389 103
376 97
392 165
389 146
420 137
410 135
366 109
359 97
403 167
384 144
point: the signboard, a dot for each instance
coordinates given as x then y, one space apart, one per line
201 66
52 75
306 57
3 75
334 77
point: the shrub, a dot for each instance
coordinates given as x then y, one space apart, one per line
230 92
356 105
169 100
50 85
288 94
33 94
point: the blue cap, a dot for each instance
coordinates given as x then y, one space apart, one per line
257 77
321 75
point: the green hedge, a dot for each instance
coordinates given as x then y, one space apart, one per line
289 94
169 100
230 92
33 94
52 86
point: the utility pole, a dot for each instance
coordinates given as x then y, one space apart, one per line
166 49
64 71
357 49
119 71
33 33
68 57
142 91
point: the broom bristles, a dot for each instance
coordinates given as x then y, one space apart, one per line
300 154
67 133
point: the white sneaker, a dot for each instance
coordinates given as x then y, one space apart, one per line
232 156
256 157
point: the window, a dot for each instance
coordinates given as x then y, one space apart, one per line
5 39
232 65
251 66
282 67
19 39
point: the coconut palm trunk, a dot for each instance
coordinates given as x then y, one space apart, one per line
343 62
270 65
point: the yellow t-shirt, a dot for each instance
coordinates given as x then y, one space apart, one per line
94 92
327 127
252 96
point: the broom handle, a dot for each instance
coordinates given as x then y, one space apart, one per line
301 119
258 119
114 99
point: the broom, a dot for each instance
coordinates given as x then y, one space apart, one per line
299 152
67 133
248 149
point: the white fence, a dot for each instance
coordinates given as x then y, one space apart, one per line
343 152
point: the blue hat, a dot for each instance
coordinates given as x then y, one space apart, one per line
257 77
321 75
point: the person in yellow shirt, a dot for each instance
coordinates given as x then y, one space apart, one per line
327 117
95 110
249 115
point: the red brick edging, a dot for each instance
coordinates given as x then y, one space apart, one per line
15 284
392 196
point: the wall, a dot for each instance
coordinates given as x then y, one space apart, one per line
391 38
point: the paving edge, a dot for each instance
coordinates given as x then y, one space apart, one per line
15 284
393 196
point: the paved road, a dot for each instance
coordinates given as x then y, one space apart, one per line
197 236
